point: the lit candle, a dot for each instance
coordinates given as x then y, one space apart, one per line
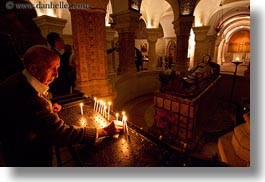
104 110
100 105
117 116
123 121
97 108
125 124
109 103
83 121
81 108
95 103
123 116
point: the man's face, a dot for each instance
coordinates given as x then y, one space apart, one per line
59 44
48 72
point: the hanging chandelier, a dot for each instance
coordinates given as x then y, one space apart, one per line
186 7
219 18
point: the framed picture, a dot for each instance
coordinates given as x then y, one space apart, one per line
144 47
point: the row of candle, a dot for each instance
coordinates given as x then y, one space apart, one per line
124 121
101 108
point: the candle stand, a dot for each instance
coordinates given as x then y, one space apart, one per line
234 82
140 149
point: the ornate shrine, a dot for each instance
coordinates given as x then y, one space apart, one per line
184 104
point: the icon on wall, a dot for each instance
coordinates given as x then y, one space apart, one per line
135 5
144 47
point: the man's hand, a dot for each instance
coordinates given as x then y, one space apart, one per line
56 107
111 129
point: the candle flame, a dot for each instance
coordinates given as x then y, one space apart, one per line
83 121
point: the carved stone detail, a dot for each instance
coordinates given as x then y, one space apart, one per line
89 39
201 43
50 24
152 36
126 24
182 28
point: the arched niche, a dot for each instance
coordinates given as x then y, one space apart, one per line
239 47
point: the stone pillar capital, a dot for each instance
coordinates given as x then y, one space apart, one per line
152 34
50 24
126 21
183 25
200 32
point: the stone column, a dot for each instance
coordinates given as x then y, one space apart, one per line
182 29
126 23
201 43
110 57
217 56
211 45
89 39
152 36
49 24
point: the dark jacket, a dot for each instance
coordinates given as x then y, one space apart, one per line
29 128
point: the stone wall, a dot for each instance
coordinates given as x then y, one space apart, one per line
133 85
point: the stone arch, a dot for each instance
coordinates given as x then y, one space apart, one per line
238 47
231 27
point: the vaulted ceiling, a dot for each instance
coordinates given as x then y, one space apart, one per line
231 15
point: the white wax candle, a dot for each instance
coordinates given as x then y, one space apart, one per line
95 103
117 116
125 125
123 115
97 106
104 110
100 105
81 108
109 103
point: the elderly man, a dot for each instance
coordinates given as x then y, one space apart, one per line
30 125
